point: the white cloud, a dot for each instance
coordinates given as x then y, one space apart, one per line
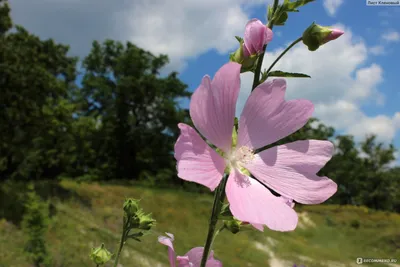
391 36
331 6
396 119
181 29
377 50
341 83
380 125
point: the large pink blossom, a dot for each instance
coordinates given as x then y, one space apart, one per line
191 259
256 35
289 169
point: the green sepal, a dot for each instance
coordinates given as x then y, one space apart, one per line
225 212
240 39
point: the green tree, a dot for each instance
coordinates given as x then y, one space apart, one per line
136 109
376 188
35 113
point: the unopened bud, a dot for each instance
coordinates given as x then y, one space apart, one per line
131 206
315 36
146 222
233 225
100 255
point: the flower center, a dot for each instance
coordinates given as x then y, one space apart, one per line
240 157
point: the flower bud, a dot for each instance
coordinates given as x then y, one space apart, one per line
256 35
131 206
233 225
315 36
146 222
100 255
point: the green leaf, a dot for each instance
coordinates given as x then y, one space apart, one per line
292 6
135 236
279 73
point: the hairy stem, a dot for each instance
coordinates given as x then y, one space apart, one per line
257 72
217 206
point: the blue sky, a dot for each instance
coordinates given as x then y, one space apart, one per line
366 22
354 84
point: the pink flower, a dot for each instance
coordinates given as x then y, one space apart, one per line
256 35
191 259
289 169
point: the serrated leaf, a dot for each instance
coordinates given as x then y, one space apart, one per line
292 6
279 73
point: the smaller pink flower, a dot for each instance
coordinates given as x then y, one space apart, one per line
191 259
256 35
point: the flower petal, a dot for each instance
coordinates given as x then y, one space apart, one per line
267 117
195 255
196 161
183 261
287 201
259 227
213 105
268 35
256 35
291 169
250 201
168 242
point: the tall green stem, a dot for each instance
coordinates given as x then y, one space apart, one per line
122 242
257 72
284 52
217 206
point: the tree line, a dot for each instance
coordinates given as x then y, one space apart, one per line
116 118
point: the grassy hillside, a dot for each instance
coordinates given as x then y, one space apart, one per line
91 214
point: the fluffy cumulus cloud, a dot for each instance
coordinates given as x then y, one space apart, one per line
341 83
331 6
181 29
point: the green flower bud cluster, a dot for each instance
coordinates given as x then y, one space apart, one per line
100 255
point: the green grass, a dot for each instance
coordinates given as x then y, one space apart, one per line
76 227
